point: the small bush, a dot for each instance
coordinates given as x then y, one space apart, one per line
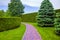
9 23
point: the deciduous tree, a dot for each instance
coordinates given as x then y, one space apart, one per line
16 8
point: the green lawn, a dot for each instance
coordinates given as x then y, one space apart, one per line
47 33
15 34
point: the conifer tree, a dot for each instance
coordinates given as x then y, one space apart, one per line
57 24
46 14
16 8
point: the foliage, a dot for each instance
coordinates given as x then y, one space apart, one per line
57 11
57 23
9 23
46 14
1 13
16 8
7 14
30 17
47 33
15 34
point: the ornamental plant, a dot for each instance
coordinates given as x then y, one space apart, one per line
45 15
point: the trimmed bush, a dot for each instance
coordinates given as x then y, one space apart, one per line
29 17
9 23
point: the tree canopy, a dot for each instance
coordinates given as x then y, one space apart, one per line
46 14
16 8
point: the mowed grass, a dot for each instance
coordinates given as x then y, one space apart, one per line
15 34
47 33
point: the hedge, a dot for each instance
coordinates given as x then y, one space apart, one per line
29 17
9 23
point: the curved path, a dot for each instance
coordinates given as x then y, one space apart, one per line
31 33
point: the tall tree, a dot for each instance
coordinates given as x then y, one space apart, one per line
46 14
16 8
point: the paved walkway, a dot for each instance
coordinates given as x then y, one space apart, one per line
31 33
